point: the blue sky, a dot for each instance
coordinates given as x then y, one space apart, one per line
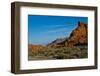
44 29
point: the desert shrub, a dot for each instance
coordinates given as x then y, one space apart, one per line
84 54
59 57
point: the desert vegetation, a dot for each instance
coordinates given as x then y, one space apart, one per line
58 53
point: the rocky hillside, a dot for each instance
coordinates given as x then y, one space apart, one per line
77 37
57 41
35 47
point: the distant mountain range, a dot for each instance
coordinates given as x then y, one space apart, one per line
57 41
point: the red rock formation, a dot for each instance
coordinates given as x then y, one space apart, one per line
78 36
